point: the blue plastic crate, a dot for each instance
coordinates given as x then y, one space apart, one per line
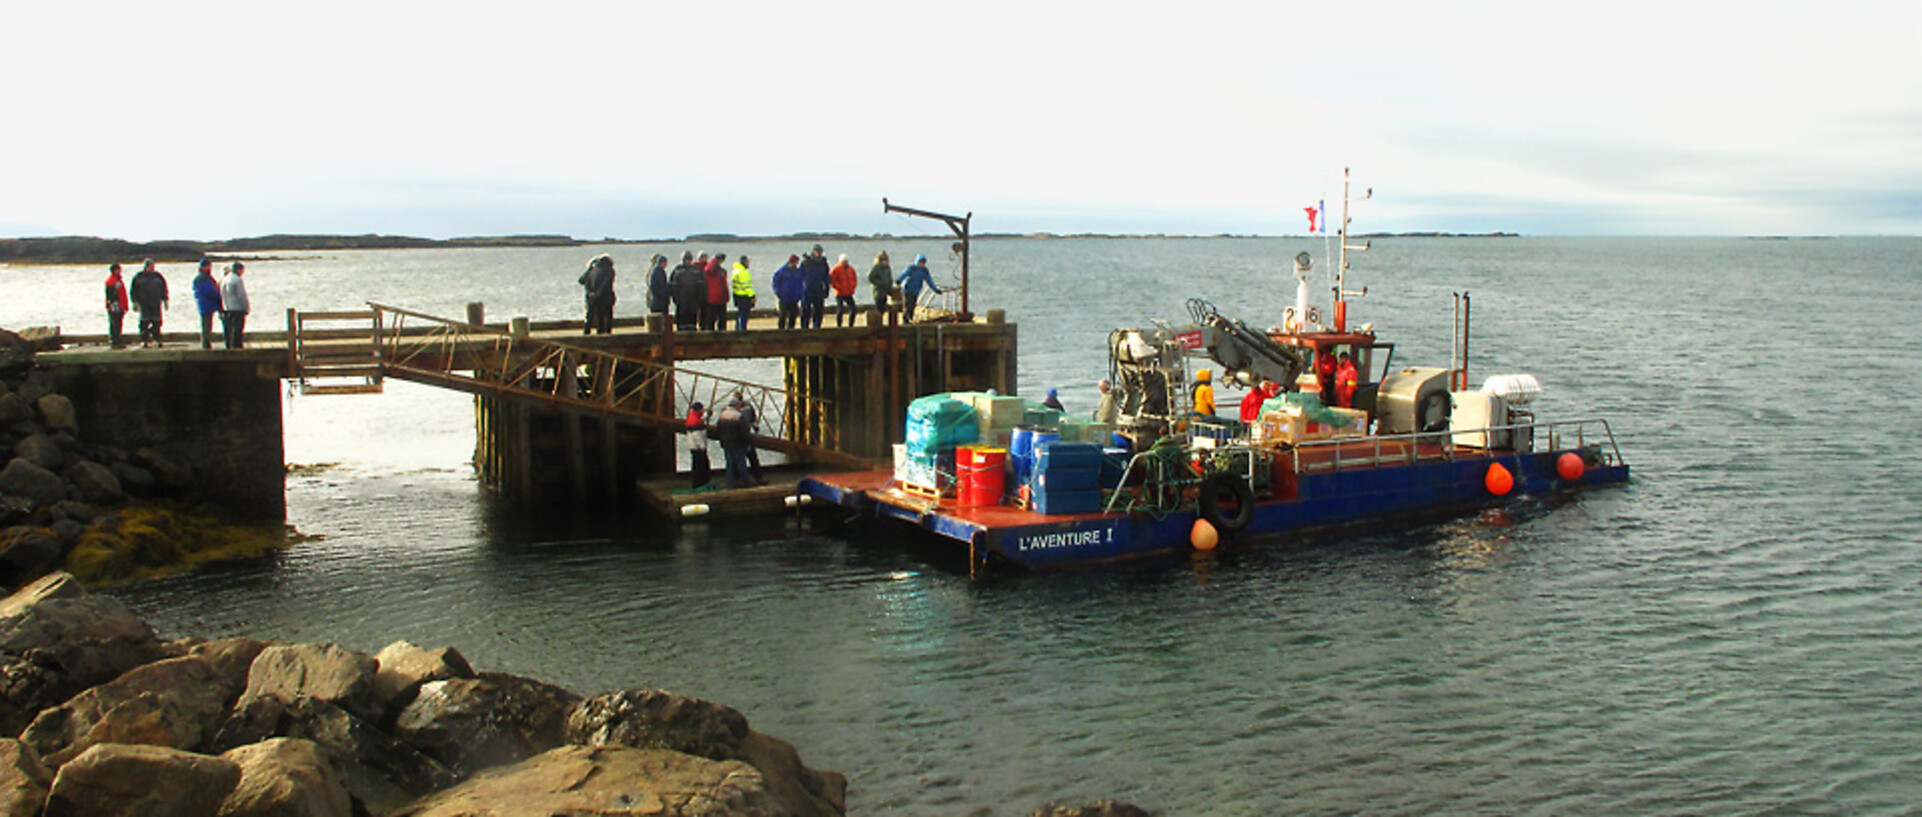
1064 502
1058 479
1063 454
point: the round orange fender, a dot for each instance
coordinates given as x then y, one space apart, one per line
1570 466
1499 480
1203 535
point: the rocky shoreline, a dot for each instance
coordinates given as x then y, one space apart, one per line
111 719
99 512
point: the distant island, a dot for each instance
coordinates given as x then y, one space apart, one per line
92 250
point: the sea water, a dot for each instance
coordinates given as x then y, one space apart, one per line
1738 630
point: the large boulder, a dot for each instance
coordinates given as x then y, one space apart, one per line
166 474
380 772
469 724
607 781
404 667
28 553
652 718
232 658
56 640
40 450
94 482
16 354
14 409
23 478
322 672
24 780
56 413
135 781
285 777
176 702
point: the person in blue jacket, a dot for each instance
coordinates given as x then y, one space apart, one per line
912 280
787 292
207 297
814 288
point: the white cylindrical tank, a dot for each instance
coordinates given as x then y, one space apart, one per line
1516 389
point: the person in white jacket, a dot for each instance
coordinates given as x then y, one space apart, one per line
233 305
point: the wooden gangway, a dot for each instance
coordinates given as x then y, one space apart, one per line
492 361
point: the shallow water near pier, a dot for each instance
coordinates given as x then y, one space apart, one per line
1737 630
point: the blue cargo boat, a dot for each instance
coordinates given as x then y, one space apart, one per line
1336 435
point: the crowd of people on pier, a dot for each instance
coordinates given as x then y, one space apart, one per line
699 293
147 294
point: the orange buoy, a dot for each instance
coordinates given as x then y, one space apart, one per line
1570 466
1203 535
1499 480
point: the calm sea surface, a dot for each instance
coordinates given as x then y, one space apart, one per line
1737 631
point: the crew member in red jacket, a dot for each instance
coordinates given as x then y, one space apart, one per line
1347 379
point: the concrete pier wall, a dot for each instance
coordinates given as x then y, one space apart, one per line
215 413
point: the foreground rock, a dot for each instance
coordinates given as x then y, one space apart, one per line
654 719
113 721
114 778
285 777
607 780
56 641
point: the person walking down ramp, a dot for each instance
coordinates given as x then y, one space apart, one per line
207 297
116 306
912 280
149 292
233 306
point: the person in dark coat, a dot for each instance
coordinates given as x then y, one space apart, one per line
731 433
657 289
814 288
598 281
714 309
149 293
749 420
690 293
207 297
880 281
787 292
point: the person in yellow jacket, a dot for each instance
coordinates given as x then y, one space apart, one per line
1204 392
741 283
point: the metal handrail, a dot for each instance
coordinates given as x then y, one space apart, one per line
1555 429
562 373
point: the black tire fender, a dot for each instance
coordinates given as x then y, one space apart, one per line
1213 487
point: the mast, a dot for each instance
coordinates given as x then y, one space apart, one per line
959 224
1342 292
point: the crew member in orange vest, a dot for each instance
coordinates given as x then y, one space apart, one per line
1347 379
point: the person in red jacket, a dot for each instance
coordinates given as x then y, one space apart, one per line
116 305
1251 404
1347 380
714 313
844 280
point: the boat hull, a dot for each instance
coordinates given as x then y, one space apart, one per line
1321 501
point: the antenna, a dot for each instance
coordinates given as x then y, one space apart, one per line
1342 292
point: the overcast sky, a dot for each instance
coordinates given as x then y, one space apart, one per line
195 119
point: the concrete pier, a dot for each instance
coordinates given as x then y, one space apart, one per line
556 415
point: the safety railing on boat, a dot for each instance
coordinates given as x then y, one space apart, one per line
1358 452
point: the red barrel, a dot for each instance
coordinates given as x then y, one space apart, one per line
981 475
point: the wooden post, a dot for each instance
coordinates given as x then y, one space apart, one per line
569 386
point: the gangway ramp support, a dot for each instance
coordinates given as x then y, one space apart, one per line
335 352
492 361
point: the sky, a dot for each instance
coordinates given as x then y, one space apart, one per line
205 120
